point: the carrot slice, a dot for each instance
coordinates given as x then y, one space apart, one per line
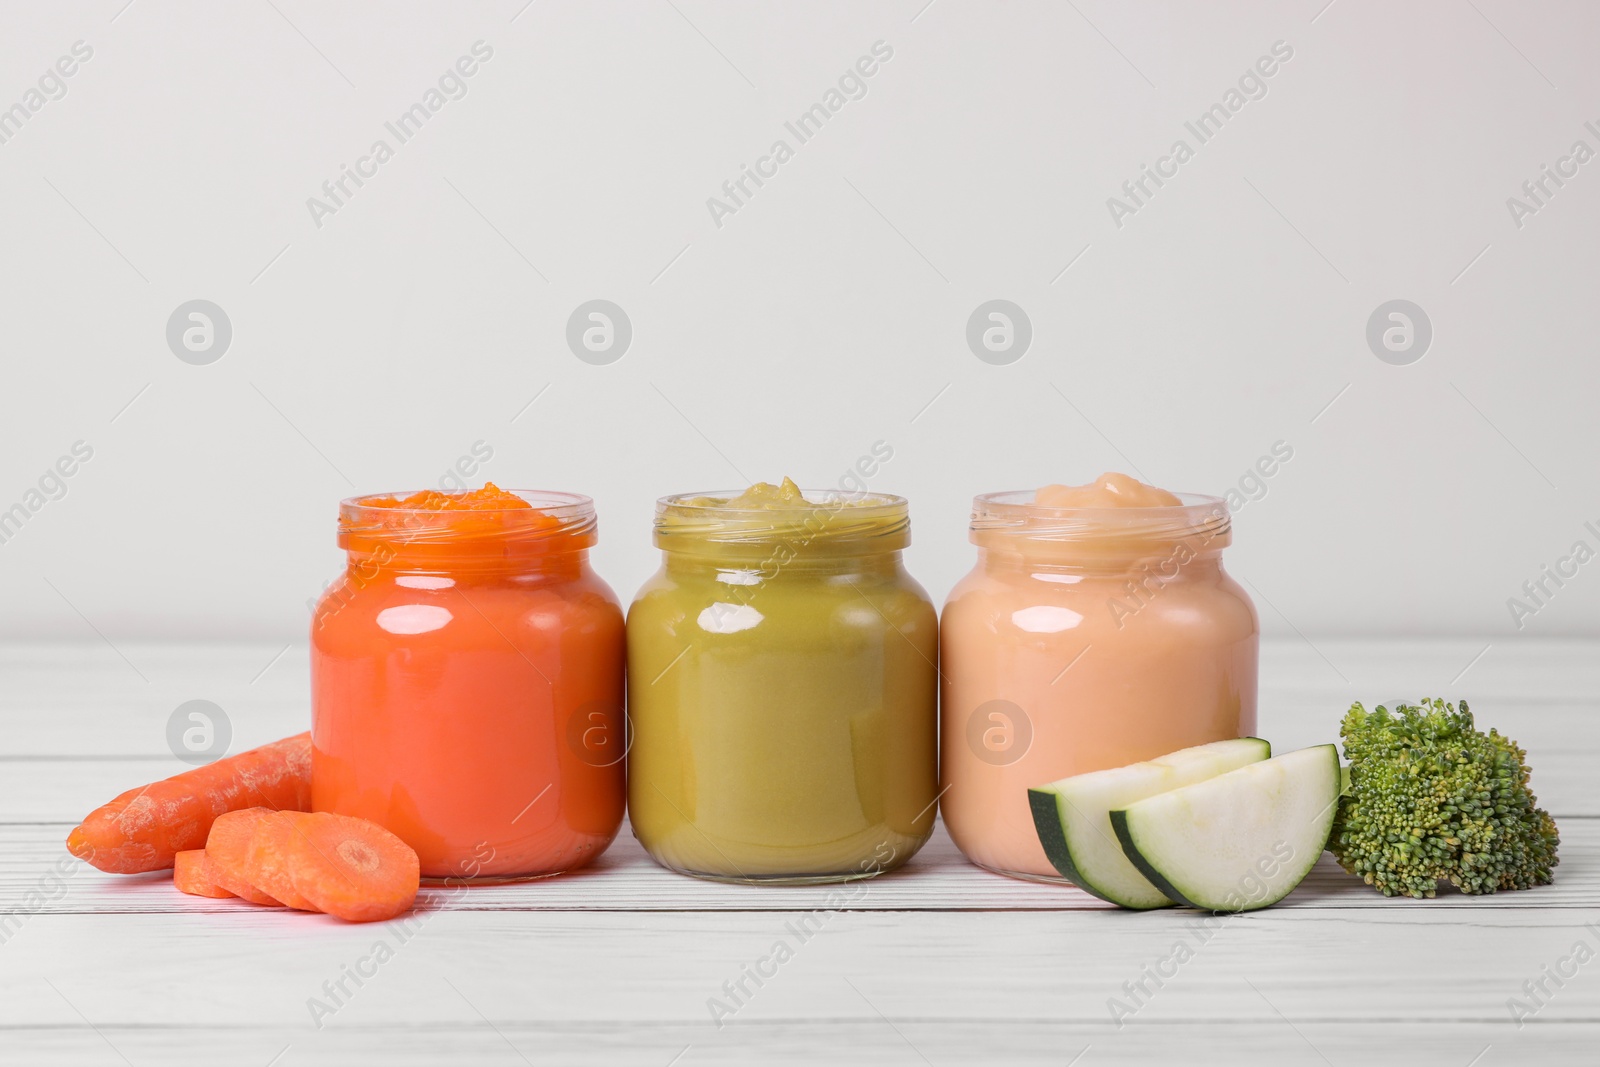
190 875
144 829
268 861
228 853
349 867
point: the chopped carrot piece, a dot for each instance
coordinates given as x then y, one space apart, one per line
349 867
144 829
190 875
228 853
268 860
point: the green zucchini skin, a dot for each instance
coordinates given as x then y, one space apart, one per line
1046 807
1119 823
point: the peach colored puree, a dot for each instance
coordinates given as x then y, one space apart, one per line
1097 629
467 685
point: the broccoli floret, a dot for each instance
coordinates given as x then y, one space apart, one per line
1432 799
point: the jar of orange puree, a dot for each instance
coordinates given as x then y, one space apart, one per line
1097 629
467 682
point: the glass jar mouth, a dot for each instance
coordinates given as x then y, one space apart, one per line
834 517
1013 514
554 521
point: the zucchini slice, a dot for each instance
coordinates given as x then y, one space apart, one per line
1241 840
1073 819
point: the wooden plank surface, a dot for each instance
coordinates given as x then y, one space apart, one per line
1035 1043
940 963
625 879
658 974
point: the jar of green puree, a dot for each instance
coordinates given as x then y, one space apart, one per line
782 689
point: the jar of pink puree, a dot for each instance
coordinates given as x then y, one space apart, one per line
1097 629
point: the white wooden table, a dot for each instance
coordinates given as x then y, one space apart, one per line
939 963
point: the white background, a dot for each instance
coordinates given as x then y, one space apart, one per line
828 313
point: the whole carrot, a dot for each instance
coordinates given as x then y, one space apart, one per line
145 828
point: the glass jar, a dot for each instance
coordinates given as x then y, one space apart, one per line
1083 639
781 690
467 686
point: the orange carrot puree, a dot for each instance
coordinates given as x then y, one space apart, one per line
467 682
490 498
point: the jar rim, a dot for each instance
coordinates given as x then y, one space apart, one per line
877 521
553 515
1014 512
556 498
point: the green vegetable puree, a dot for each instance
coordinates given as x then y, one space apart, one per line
782 689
